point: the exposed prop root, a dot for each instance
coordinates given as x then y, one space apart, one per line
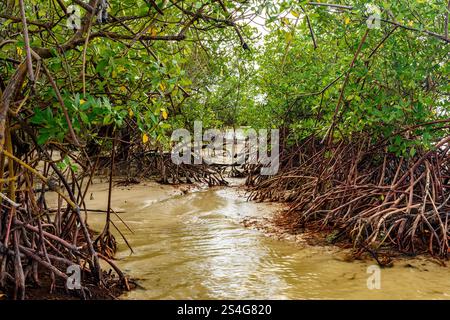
374 198
106 244
190 173
38 242
153 164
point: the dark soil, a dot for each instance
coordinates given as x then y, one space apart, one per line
111 291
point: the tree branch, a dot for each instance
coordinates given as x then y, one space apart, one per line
27 41
45 53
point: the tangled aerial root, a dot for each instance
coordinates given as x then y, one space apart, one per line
374 198
106 244
190 173
156 164
36 241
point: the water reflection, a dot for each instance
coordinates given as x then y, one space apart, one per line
194 247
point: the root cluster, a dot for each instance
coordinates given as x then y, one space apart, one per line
37 241
160 165
374 198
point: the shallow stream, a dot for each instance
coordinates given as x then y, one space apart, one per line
193 245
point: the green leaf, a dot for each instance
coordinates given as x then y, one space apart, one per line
42 138
84 117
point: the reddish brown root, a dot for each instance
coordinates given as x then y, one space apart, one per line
369 195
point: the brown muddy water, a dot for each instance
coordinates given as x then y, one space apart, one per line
193 245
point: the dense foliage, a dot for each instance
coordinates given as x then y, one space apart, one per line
400 77
316 68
